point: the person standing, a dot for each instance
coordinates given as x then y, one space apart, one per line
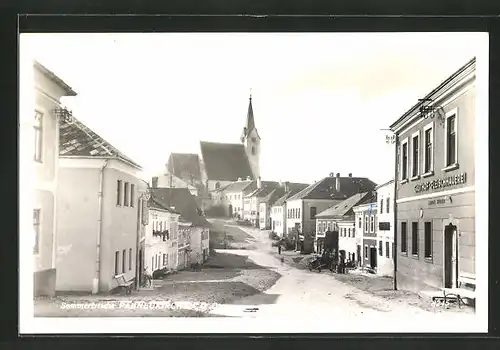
279 248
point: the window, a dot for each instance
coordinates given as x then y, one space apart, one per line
349 232
404 237
451 139
428 148
298 216
414 238
380 252
360 224
38 136
36 228
312 212
119 192
372 223
366 252
387 205
428 240
381 205
366 223
387 249
124 258
353 232
404 160
165 261
253 150
130 259
132 195
415 154
117 261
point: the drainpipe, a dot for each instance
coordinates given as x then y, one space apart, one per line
138 243
395 209
95 285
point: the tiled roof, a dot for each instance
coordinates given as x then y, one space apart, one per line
287 195
272 197
325 189
345 207
225 161
238 186
155 204
372 198
183 202
267 187
76 139
185 166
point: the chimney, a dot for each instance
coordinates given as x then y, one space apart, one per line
154 182
286 186
350 174
337 183
259 182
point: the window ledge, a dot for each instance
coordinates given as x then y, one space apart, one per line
415 256
429 260
404 254
429 173
451 167
402 182
416 177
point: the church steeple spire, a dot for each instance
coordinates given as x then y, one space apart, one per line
250 120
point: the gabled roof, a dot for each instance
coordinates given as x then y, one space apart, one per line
225 161
345 207
52 76
272 197
280 201
471 65
185 166
238 186
325 189
183 202
155 204
267 187
77 140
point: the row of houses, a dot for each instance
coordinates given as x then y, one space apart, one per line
94 217
420 226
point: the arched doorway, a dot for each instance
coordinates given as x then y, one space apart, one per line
230 211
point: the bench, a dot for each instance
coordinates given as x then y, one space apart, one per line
460 293
123 284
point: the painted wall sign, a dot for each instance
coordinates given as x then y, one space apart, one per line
441 183
384 226
437 201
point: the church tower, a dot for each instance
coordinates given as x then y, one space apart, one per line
251 140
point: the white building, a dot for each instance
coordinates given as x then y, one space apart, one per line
385 228
161 238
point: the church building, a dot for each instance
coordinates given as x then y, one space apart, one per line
219 164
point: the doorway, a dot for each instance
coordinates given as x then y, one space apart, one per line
450 256
230 211
373 257
358 254
141 264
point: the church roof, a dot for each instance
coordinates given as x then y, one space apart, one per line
325 189
250 120
77 140
185 166
225 161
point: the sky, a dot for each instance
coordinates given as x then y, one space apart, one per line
320 100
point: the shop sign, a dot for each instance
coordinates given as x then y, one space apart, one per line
437 201
441 183
384 226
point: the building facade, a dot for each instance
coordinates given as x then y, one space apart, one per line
366 239
49 89
385 229
161 238
98 221
435 185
